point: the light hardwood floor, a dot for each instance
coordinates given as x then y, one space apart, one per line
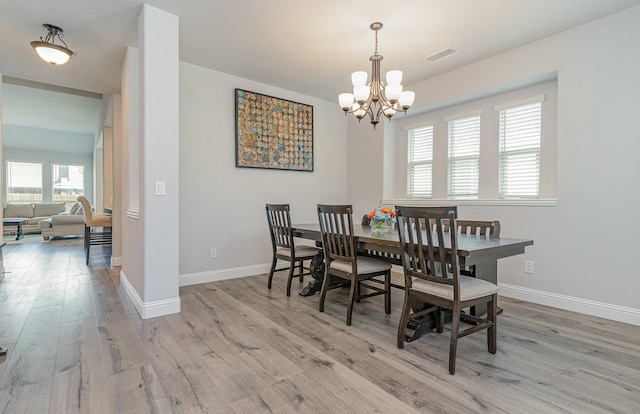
77 345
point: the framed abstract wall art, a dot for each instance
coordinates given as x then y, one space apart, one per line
273 133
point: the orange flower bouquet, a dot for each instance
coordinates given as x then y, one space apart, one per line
382 220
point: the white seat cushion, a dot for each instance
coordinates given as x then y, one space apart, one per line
365 265
470 288
302 250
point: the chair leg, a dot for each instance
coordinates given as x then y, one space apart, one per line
292 267
325 287
301 271
404 318
387 292
87 242
492 311
352 296
272 271
439 317
453 346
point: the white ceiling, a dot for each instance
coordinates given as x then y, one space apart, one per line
310 47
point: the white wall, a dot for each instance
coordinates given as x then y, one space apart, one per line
582 245
366 165
132 243
223 206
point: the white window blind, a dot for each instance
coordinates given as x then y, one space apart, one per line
519 156
420 162
464 157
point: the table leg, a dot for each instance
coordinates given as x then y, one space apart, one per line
19 232
316 268
486 271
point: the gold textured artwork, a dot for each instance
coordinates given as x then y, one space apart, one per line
273 133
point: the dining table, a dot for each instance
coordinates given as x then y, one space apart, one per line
479 253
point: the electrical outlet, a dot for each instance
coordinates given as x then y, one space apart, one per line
528 266
213 253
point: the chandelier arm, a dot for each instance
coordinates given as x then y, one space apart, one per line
63 42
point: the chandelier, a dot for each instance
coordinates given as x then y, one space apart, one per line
56 54
376 99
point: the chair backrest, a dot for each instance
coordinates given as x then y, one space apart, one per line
488 229
279 219
336 227
87 210
429 254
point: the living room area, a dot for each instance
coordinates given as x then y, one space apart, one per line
53 151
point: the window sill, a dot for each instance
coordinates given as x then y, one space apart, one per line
547 202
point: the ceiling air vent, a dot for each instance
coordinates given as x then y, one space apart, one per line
441 54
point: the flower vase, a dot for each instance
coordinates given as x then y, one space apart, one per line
380 226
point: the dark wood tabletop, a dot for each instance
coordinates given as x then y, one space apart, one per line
472 250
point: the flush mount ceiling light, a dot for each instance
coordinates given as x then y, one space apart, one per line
375 98
56 54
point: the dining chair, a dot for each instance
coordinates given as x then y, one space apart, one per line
93 222
284 247
479 228
342 261
431 273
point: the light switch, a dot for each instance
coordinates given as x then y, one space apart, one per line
161 188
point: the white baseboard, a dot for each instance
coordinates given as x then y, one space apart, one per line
148 310
223 274
588 307
116 261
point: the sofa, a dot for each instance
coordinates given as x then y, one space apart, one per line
63 224
32 212
37 213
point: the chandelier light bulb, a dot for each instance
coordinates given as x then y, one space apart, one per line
359 78
406 99
394 77
346 101
393 93
361 93
359 111
389 111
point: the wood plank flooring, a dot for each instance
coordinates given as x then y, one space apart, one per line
77 345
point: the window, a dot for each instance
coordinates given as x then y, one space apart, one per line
519 156
464 157
24 182
497 149
68 184
419 180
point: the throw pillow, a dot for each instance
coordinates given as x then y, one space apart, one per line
75 208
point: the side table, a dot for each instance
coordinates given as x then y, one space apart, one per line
18 222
